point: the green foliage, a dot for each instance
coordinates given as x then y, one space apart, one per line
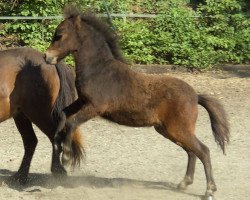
136 40
183 40
194 33
36 32
228 30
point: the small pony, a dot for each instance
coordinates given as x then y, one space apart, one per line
107 87
31 92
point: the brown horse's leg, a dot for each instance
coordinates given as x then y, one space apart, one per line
189 177
56 167
24 126
4 109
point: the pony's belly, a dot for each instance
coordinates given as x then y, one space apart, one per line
134 119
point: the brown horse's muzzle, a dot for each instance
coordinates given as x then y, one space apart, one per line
50 58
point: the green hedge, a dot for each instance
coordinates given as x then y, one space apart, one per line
196 34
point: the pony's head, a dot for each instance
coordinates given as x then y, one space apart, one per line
65 40
72 33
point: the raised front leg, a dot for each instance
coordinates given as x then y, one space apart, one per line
68 112
87 112
25 128
68 123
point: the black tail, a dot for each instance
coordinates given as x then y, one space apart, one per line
66 93
219 122
65 97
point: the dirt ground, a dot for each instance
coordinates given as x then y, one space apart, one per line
137 163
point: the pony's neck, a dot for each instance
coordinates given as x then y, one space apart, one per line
92 53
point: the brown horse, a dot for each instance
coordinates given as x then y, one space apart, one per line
107 87
31 92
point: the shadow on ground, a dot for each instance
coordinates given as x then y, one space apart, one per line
48 181
242 71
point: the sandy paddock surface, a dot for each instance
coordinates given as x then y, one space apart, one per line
137 163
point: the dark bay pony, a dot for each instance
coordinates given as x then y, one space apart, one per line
31 92
107 87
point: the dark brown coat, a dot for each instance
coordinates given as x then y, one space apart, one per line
107 87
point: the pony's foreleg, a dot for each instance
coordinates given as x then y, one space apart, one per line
66 113
189 177
29 138
87 112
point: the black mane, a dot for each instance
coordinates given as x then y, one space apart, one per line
99 25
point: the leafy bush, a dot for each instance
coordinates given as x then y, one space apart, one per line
136 40
227 29
34 33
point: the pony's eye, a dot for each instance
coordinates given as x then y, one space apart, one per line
57 37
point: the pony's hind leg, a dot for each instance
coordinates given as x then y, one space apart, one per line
29 138
188 141
203 153
189 177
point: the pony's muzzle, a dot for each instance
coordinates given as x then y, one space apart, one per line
50 59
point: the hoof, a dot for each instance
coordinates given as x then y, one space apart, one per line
184 183
210 193
182 186
60 176
208 198
59 171
18 178
66 158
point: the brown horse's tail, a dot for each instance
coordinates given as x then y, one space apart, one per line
219 122
66 96
77 153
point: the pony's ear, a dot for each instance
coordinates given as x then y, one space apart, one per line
78 20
